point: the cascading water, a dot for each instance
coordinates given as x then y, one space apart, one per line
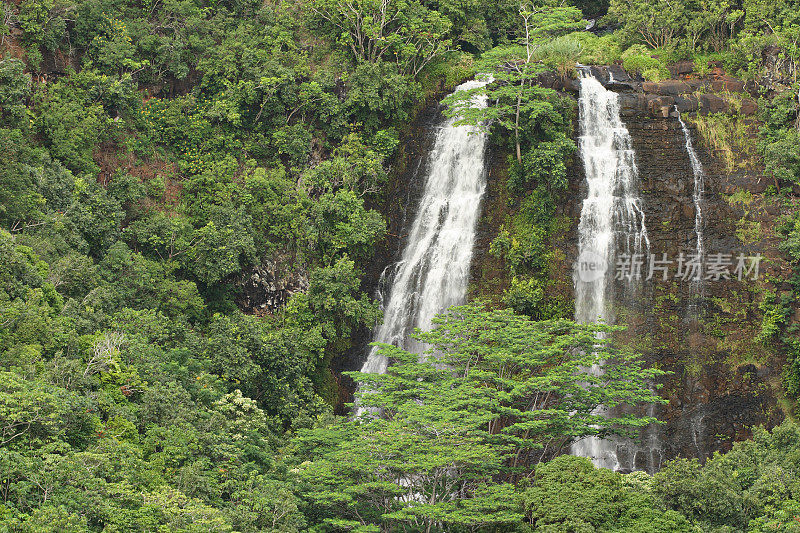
697 196
433 271
612 221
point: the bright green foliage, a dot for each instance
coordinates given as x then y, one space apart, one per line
638 60
535 370
501 394
598 50
402 471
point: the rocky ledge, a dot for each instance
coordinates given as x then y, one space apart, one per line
715 92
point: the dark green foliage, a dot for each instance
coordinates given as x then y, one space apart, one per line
72 122
15 90
543 164
571 494
751 488
781 330
778 143
20 201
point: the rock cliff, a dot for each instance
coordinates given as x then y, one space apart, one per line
724 380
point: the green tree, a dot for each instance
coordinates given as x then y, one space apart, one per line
746 489
403 32
657 24
497 394
515 69
15 89
571 494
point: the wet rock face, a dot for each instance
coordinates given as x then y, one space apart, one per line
713 399
722 382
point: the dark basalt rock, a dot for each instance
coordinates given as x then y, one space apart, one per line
727 84
658 98
623 85
710 103
686 103
713 402
619 74
632 103
267 287
669 87
681 68
551 80
660 106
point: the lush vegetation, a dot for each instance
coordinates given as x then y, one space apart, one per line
158 157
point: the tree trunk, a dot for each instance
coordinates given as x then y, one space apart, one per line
516 123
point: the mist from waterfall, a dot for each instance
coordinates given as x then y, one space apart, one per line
433 271
612 220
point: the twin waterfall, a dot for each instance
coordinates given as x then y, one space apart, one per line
433 271
612 221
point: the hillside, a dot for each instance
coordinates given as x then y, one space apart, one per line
209 210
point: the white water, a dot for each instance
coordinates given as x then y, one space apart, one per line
433 271
612 221
697 196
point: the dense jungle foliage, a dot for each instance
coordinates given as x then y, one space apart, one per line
155 154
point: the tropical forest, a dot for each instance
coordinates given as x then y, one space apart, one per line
399 266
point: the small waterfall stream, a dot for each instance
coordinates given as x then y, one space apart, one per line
697 196
433 271
611 222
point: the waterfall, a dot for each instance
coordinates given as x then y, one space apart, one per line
612 222
697 196
433 271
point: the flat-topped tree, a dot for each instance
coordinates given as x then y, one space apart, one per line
447 433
